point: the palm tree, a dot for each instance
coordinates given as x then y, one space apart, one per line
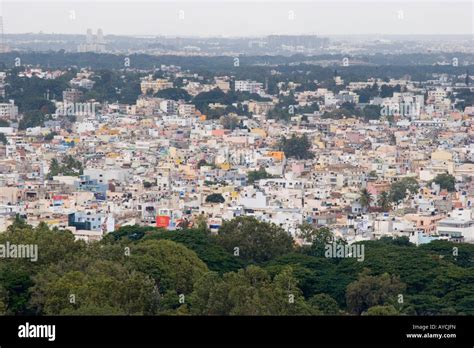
365 198
384 201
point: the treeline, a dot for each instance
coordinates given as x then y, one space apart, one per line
418 66
250 268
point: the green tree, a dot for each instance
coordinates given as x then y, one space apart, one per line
296 147
205 246
173 94
229 122
50 136
371 112
132 233
402 187
255 175
365 199
171 265
3 301
252 240
32 119
249 292
445 181
384 201
92 285
306 232
373 175
16 275
324 304
320 237
68 167
54 168
215 198
369 291
202 162
381 310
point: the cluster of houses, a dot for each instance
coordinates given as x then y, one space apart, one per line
157 162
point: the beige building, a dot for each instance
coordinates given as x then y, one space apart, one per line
154 85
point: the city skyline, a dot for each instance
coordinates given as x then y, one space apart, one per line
240 18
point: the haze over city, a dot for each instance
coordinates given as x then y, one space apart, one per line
240 18
310 160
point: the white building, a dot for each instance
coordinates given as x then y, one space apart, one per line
169 107
249 86
186 110
458 226
8 110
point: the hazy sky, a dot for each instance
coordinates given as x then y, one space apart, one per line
239 17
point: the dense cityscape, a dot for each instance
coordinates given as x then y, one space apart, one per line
279 175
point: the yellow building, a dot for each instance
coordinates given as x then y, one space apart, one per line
259 131
154 85
441 155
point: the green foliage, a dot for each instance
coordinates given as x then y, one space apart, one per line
115 86
256 241
324 304
173 94
248 292
147 184
205 246
279 113
215 198
203 99
371 291
50 136
296 147
318 237
402 187
95 286
371 112
382 310
387 91
317 274
384 201
365 198
68 167
171 265
16 275
229 122
368 112
130 233
3 139
30 94
255 175
32 119
3 301
201 163
142 270
368 93
445 181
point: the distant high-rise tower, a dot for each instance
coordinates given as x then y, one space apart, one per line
100 36
94 43
89 36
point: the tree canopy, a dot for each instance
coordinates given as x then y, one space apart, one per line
143 270
297 147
